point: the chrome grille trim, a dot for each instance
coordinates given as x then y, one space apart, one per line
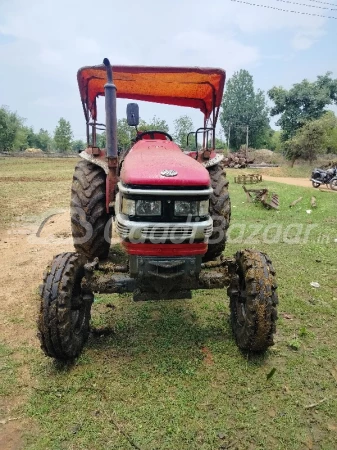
128 229
162 192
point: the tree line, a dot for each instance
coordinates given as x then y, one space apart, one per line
15 135
307 128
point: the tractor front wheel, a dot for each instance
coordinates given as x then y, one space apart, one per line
220 211
90 223
253 301
64 318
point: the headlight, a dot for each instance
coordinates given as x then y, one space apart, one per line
204 208
128 207
183 208
148 208
186 208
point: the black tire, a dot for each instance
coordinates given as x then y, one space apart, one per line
333 184
220 211
64 318
253 301
315 185
89 219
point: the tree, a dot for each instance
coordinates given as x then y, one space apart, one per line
275 143
242 107
331 141
78 145
10 124
311 140
182 127
21 138
63 135
43 140
101 140
125 133
304 101
155 124
31 138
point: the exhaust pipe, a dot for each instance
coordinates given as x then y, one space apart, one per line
110 112
111 136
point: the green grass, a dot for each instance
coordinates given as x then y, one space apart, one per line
169 376
8 371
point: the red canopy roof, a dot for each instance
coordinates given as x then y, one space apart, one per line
195 87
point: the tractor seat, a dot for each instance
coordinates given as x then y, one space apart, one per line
154 136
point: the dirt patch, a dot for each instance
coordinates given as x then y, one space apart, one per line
24 257
26 248
11 435
302 182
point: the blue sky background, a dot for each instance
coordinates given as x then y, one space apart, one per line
44 42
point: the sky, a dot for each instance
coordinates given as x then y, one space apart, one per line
44 42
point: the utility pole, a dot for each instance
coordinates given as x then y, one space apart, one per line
247 141
229 137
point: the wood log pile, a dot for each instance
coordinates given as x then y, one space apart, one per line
237 160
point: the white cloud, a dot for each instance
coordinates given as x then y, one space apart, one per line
190 45
305 39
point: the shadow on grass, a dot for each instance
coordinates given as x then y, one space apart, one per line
162 337
167 337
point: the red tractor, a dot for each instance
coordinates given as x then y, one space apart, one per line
170 209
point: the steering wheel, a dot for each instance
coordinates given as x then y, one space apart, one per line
152 133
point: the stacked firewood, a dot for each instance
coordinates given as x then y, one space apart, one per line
237 160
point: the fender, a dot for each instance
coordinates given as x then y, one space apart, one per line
99 160
213 161
215 158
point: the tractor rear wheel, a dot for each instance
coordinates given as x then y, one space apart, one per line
220 211
90 225
63 322
253 301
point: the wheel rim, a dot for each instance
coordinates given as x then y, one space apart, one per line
334 185
78 307
241 313
77 319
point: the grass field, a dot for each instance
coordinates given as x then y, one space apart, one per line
170 375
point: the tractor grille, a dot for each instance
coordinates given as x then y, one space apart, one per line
208 231
164 232
122 230
170 232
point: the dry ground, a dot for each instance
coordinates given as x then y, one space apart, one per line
24 256
303 182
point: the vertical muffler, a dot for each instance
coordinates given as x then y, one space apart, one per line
110 91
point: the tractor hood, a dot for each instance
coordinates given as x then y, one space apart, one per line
162 163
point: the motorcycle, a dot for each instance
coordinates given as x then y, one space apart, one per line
328 177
